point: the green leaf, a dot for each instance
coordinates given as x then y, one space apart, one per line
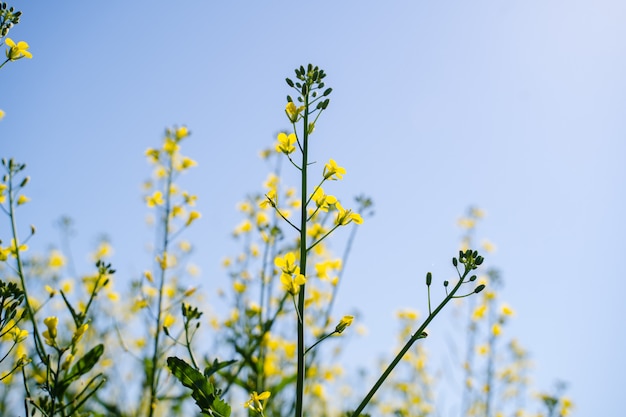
202 389
80 368
216 366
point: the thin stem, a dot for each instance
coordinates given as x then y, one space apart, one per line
153 382
303 254
419 334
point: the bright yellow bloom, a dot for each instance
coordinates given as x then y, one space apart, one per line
345 217
292 284
155 199
79 333
343 323
270 199
18 335
22 199
168 320
479 312
506 310
333 171
188 163
182 132
170 146
293 111
56 259
287 263
153 155
496 329
286 143
1 114
257 401
50 334
17 50
193 215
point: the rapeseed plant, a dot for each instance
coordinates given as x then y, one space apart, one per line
62 332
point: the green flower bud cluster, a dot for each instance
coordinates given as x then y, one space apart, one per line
8 18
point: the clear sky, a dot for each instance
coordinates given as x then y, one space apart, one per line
514 106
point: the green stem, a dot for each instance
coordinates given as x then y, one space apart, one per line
39 347
419 334
153 376
301 369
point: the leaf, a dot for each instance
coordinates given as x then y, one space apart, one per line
81 367
216 366
202 389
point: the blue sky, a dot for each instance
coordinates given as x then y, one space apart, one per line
514 106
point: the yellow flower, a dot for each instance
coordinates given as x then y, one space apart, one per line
496 329
270 199
292 284
1 114
56 259
18 335
153 155
170 146
169 320
50 334
193 215
79 333
506 310
333 171
155 199
285 143
17 50
287 263
479 312
22 199
343 323
257 401
293 111
182 132
345 217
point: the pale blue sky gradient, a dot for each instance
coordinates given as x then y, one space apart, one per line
515 106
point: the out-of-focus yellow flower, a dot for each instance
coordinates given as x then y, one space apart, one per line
17 50
333 171
1 114
496 329
18 335
287 263
56 259
153 155
488 246
50 334
67 362
479 312
189 199
182 132
193 215
270 199
286 143
169 320
155 199
466 223
22 199
343 323
170 146
506 310
292 284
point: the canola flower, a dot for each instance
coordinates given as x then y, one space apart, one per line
17 50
